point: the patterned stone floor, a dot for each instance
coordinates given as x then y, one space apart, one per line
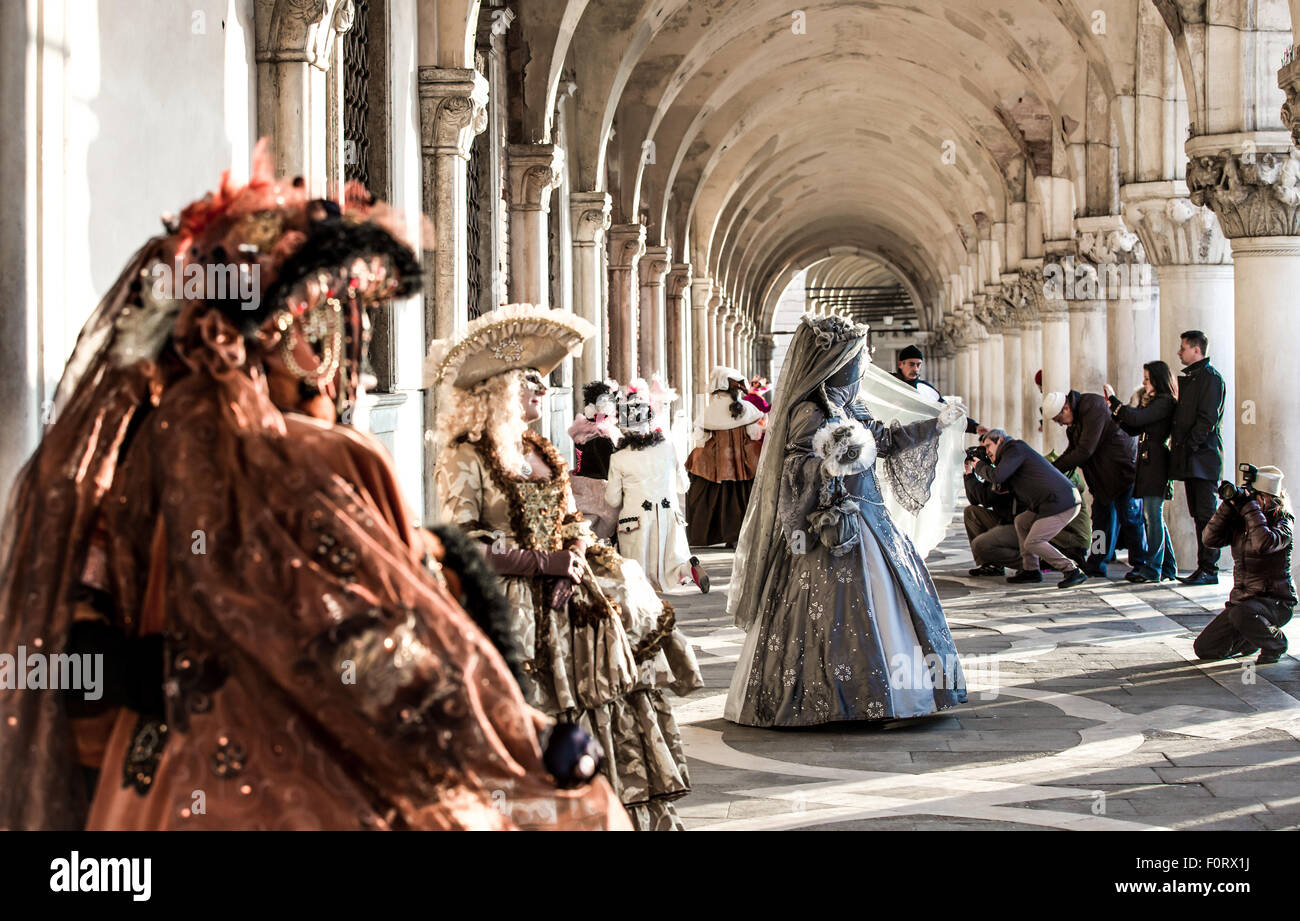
1088 711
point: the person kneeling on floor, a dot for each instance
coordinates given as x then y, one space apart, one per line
1255 521
1050 503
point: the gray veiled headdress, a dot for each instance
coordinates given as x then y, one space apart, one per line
820 348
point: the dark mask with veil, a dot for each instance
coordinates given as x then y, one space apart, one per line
842 387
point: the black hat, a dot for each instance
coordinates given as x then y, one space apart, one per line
910 352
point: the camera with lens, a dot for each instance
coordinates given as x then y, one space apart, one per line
977 453
1230 492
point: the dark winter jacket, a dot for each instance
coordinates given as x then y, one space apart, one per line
1035 483
1098 447
1261 549
984 495
1151 425
1196 441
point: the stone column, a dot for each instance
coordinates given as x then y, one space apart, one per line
626 246
701 295
1122 274
1255 193
654 265
1193 265
589 217
1054 312
453 109
296 47
764 343
717 321
728 355
1252 183
678 330
993 358
534 170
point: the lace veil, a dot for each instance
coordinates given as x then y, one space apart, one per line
820 347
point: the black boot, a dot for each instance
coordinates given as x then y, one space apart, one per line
988 569
1025 577
1072 578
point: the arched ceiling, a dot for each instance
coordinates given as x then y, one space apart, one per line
754 139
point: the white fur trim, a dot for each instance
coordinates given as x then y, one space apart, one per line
836 440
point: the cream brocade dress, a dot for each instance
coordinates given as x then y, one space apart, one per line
603 659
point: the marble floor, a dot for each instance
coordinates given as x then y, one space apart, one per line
1088 710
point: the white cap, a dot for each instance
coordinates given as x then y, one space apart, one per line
1053 403
1269 480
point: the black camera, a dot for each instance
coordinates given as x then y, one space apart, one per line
977 453
1229 492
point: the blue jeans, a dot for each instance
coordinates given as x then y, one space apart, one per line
1122 515
1160 562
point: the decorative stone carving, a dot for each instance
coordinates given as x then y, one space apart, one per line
590 212
534 170
453 110
1254 194
1111 247
1174 231
1288 80
301 31
1032 299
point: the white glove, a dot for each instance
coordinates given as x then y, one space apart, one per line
951 414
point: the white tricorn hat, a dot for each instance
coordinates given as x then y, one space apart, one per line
512 337
1053 403
1269 480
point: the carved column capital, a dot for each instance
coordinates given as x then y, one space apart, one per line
626 244
1029 305
301 31
1173 229
453 109
1254 187
1288 80
1107 241
701 292
679 279
533 170
655 263
590 217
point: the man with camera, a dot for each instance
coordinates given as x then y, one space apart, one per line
990 523
1255 521
1048 500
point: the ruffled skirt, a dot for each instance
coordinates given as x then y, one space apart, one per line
603 662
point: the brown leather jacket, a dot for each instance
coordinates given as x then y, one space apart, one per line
1261 549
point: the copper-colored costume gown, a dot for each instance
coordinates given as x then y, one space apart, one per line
316 673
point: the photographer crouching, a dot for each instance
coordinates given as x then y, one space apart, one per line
1050 503
990 522
1255 521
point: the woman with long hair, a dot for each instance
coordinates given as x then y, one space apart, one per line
728 439
1151 421
597 644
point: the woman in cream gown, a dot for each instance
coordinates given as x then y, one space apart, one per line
599 646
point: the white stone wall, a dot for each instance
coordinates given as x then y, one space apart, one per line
128 108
